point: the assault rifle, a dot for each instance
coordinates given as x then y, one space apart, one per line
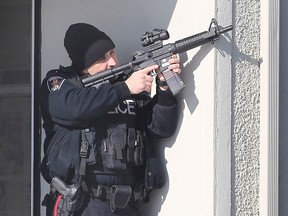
159 54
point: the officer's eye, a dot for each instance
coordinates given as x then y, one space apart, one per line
107 56
112 52
102 59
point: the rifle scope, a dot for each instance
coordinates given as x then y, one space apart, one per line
156 35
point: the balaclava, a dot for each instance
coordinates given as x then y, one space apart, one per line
85 44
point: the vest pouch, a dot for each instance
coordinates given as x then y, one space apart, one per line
155 173
135 150
113 148
89 138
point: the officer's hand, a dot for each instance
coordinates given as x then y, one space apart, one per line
140 81
174 66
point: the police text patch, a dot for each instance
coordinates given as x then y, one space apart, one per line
54 83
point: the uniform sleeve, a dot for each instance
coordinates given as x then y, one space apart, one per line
69 105
163 116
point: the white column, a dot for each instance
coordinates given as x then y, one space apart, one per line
269 108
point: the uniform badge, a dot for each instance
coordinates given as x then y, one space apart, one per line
54 83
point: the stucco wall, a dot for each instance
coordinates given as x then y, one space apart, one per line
246 108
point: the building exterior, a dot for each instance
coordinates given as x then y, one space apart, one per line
228 156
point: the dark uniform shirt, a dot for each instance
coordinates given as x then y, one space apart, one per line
67 108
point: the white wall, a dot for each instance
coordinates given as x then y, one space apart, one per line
190 152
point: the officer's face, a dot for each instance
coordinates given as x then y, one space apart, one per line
108 61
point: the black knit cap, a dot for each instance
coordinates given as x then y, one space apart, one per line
85 44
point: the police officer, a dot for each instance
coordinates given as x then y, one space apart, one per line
114 120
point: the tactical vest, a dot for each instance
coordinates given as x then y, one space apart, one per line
115 144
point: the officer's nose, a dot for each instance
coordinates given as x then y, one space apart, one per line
112 62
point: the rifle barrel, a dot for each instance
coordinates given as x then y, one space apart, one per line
225 29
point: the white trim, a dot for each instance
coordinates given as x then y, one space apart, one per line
222 140
222 111
222 126
269 108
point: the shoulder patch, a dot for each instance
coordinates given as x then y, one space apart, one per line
54 83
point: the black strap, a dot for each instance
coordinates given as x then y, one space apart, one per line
160 83
83 153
